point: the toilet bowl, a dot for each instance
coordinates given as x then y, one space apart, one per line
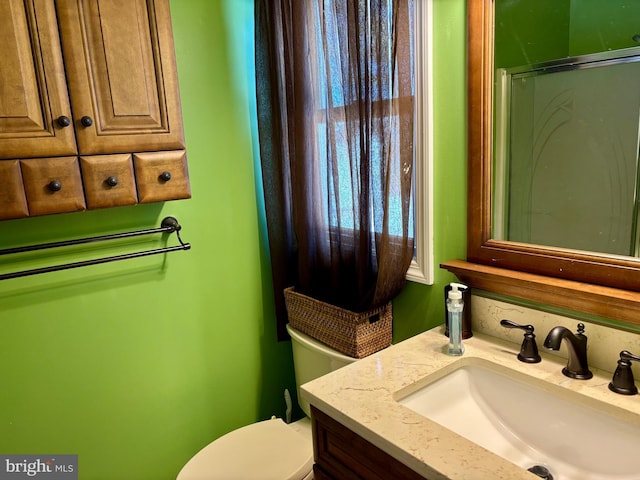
271 449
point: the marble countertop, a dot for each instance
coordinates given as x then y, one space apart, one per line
363 397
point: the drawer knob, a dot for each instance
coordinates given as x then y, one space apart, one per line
86 121
165 176
55 186
112 181
63 121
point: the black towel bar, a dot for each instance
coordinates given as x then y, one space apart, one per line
168 225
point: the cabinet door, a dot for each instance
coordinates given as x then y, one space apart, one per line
122 77
342 454
33 90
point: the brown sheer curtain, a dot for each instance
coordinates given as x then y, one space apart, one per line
336 127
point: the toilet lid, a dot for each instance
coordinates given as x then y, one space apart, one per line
268 450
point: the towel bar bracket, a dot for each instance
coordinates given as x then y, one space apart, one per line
170 223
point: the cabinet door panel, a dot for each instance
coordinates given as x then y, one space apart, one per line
122 74
13 203
42 197
33 90
153 184
342 454
108 180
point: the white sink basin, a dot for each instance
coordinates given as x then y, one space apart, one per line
531 422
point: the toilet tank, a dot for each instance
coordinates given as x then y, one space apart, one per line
312 359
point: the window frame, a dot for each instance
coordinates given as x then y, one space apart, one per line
421 269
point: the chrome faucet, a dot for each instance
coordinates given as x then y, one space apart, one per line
577 366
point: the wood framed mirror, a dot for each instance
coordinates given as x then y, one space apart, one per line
606 286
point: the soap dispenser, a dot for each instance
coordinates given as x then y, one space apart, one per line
455 306
466 313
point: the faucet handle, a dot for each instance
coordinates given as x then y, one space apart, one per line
581 329
623 381
529 349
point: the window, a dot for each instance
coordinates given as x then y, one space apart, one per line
338 102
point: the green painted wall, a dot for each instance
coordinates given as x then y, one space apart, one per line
531 31
420 307
598 26
534 31
137 365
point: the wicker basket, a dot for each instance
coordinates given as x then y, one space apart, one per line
354 334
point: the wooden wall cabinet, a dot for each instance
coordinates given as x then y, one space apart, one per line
94 81
341 454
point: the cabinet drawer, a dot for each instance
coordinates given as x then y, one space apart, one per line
161 176
13 203
52 185
108 180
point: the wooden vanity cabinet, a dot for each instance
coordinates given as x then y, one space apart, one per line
95 81
341 454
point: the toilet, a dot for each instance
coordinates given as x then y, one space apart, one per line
271 449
